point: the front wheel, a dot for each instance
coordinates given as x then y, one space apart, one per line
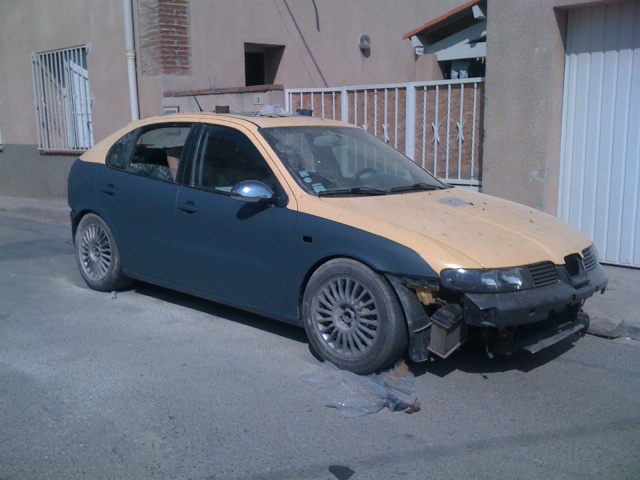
97 255
353 318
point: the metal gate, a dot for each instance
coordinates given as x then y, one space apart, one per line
62 100
600 157
437 124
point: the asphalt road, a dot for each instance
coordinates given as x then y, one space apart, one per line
154 384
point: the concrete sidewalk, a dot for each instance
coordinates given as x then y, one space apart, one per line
52 210
614 314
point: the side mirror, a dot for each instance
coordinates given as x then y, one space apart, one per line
252 191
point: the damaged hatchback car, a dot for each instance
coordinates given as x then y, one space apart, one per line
320 224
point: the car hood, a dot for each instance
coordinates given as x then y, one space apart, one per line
456 228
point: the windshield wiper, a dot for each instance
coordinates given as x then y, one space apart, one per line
416 187
352 191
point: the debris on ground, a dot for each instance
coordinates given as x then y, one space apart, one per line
357 395
631 332
605 327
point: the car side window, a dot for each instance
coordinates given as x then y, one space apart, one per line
121 151
227 157
157 152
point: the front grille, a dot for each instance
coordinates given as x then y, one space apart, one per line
589 258
543 273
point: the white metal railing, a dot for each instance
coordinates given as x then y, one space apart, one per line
437 124
62 100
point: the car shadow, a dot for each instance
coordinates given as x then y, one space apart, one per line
473 358
266 324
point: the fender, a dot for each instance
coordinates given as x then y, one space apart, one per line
317 240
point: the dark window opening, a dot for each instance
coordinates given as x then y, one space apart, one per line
261 63
464 68
254 68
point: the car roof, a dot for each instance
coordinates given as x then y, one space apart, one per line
261 121
98 153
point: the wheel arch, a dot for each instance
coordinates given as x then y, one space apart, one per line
97 253
391 336
414 316
324 240
385 275
76 218
313 268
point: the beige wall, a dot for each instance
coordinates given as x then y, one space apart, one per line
523 109
313 57
238 100
319 51
525 64
36 26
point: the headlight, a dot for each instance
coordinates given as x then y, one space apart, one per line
486 281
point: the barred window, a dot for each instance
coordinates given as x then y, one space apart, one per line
62 100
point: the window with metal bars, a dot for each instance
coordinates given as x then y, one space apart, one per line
62 100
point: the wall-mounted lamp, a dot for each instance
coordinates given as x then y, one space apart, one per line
364 43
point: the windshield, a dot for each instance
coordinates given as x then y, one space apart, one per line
342 161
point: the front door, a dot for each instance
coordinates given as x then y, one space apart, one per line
238 252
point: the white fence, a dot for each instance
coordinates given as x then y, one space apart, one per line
437 124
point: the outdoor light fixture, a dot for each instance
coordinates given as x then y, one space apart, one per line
364 43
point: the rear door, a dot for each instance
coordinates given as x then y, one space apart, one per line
138 195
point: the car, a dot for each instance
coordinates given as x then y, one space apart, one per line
320 224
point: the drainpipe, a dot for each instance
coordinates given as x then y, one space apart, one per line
131 60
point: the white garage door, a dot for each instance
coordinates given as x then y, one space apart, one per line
600 158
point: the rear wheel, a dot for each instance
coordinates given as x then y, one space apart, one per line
353 318
97 255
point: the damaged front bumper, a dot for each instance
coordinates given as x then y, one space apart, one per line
532 305
530 319
546 337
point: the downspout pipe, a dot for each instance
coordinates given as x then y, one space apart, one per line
131 60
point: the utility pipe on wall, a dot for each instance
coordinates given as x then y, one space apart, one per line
131 60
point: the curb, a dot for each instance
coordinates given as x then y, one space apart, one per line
51 210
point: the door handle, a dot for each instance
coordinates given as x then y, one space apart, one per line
109 189
188 207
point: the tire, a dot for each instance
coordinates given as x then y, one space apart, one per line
353 318
97 255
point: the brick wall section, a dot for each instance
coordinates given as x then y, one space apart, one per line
165 37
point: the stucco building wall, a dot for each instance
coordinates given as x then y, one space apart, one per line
37 26
320 42
523 109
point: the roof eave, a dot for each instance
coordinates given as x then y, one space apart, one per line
443 18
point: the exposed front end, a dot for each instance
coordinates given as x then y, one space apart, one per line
528 307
